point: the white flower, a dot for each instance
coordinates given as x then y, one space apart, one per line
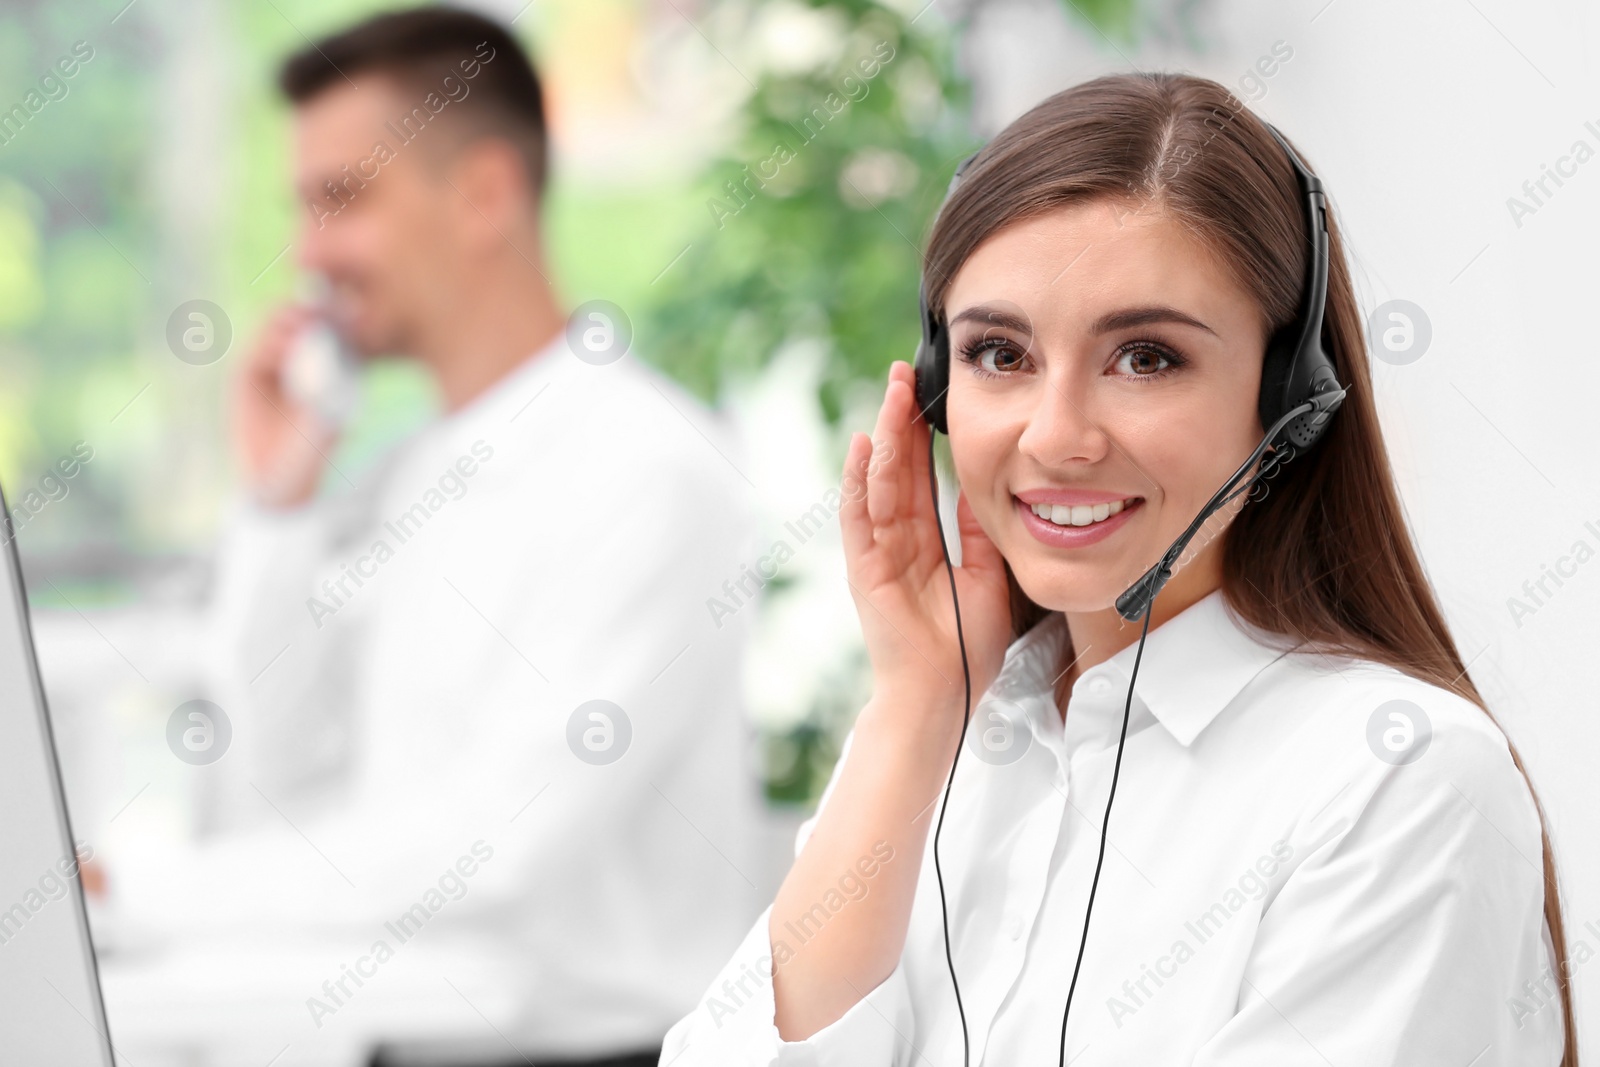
874 175
793 38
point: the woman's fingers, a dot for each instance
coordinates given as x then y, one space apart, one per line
884 495
913 483
923 505
880 516
855 525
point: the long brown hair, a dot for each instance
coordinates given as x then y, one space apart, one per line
1326 556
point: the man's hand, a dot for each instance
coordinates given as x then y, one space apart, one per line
93 877
281 446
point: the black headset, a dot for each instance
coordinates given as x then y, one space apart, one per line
1300 392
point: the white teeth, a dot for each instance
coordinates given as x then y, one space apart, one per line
1078 514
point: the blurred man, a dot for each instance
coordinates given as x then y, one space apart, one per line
482 716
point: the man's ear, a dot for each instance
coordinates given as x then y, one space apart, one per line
489 175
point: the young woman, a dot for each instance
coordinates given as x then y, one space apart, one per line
1322 849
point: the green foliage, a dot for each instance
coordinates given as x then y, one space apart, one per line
74 264
815 216
69 209
1114 19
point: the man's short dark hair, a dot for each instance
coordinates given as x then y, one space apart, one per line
493 88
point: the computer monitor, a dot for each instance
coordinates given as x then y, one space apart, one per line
49 984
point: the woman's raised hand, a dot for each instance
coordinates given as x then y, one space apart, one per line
896 568
905 737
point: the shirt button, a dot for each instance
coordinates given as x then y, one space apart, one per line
1099 683
1015 929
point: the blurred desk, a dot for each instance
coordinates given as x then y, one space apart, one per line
113 676
244 1003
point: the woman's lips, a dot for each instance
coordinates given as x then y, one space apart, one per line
1055 536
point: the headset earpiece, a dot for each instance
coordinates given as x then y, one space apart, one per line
1298 367
931 369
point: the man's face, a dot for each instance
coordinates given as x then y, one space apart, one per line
382 233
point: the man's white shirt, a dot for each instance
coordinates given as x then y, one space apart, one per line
1310 860
491 655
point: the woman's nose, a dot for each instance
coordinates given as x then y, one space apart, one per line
1064 426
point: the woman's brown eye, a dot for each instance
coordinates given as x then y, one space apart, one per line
1143 362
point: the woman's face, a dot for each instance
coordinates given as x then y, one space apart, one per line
1101 358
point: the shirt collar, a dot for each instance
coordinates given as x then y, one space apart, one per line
514 390
1193 665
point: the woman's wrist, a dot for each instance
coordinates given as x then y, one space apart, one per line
913 735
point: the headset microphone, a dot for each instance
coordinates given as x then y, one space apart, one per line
1300 392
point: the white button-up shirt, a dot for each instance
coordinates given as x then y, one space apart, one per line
1310 860
415 756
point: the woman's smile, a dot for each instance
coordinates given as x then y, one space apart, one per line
1075 525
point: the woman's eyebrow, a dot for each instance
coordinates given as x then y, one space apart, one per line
990 315
1144 316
